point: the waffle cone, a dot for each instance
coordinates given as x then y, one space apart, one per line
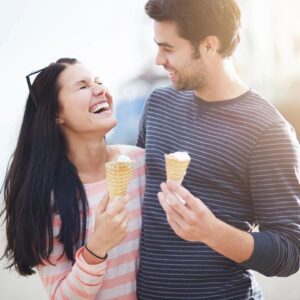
118 175
175 168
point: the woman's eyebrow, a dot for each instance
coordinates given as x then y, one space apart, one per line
81 81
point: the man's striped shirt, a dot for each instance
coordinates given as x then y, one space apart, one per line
245 167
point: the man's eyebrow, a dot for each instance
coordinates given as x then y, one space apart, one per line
163 44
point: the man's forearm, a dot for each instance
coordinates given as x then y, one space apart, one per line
231 242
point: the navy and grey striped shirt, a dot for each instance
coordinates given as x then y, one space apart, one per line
245 167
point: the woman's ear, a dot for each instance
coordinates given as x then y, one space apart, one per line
59 120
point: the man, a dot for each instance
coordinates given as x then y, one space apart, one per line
244 171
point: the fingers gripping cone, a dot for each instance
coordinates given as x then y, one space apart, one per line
176 165
118 175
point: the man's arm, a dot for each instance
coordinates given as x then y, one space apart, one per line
274 180
194 222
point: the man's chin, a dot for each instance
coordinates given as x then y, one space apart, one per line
178 87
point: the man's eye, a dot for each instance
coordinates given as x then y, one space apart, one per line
100 83
83 87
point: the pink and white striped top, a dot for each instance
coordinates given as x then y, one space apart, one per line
114 278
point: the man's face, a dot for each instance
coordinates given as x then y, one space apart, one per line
183 63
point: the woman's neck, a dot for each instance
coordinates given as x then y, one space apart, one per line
89 157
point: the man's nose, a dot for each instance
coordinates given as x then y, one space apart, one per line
160 59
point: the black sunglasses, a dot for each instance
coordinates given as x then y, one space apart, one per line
31 91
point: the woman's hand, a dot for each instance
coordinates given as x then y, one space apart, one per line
111 222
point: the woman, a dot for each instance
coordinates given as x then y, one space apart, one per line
58 218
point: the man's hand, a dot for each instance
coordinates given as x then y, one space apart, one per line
192 221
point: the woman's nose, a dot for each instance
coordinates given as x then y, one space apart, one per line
98 89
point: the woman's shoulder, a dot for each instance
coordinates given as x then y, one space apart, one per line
132 151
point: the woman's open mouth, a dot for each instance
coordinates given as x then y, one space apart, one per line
98 108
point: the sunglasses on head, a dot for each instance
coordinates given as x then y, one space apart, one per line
31 91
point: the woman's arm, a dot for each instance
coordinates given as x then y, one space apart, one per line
64 281
83 280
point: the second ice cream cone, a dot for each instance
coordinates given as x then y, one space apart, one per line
118 175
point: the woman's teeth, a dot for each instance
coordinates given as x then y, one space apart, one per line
98 107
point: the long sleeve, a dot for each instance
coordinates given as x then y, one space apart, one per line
274 178
115 278
64 281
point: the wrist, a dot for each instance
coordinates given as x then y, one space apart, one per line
97 248
231 242
97 255
92 257
213 232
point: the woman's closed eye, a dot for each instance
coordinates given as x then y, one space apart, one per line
86 85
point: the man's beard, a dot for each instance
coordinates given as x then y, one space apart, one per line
197 82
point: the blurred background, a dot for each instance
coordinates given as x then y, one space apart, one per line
115 39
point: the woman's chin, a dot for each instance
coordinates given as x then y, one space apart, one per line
109 125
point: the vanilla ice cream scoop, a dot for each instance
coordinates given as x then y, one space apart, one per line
123 158
180 155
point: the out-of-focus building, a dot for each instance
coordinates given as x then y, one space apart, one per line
131 103
268 58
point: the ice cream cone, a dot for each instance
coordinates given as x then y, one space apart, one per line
118 175
176 166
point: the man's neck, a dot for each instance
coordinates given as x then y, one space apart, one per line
223 83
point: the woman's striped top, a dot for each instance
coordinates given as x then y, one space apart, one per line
245 167
114 278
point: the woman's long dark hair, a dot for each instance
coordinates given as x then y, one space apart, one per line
41 181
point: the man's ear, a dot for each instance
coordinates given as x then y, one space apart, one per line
210 45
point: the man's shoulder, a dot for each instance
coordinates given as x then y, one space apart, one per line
260 109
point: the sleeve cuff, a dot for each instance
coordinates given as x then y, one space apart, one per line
264 254
96 270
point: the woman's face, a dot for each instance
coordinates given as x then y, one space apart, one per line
85 104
